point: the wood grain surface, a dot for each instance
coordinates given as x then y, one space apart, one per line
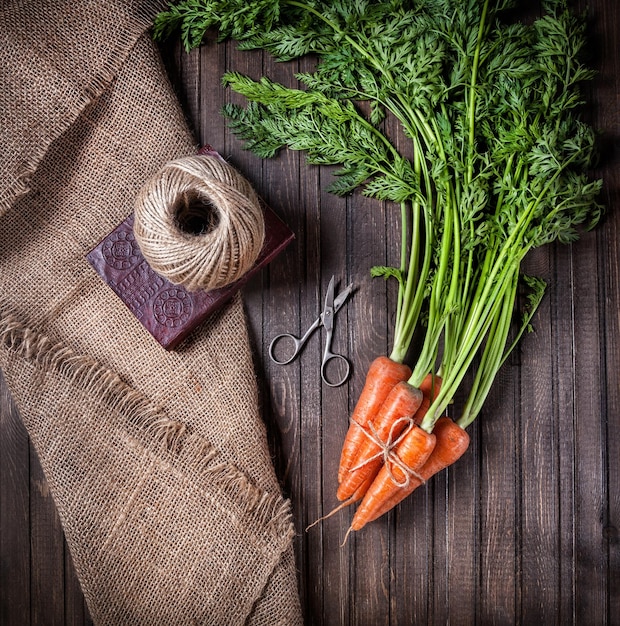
524 529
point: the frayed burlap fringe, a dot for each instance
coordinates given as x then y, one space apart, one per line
145 421
161 529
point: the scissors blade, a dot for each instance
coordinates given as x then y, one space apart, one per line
327 316
341 297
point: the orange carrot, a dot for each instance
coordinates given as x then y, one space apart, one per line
383 374
402 402
388 490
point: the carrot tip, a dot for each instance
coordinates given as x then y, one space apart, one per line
344 541
354 498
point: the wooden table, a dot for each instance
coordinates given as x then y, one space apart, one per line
525 529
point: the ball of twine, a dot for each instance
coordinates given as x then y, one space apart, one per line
199 223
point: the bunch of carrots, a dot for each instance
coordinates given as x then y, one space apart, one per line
497 165
387 454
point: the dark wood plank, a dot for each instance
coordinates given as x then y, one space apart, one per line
281 298
589 441
338 576
366 241
456 535
539 505
499 501
14 514
48 558
606 96
210 94
311 500
565 416
277 298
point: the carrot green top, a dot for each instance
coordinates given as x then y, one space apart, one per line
500 155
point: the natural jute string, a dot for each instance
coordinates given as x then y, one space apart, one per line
387 451
199 223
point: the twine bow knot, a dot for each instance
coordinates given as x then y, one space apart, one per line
387 450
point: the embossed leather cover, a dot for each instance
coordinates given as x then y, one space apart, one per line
169 312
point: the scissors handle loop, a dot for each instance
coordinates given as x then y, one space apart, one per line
343 365
283 340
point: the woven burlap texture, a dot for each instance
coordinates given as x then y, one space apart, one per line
157 461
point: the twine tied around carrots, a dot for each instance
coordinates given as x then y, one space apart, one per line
390 458
387 450
199 223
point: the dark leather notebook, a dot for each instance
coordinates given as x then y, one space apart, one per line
169 312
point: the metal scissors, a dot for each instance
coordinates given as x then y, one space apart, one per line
326 319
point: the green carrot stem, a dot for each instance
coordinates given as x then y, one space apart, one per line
492 357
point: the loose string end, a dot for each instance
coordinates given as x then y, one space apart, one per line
335 510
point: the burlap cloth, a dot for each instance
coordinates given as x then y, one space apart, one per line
157 460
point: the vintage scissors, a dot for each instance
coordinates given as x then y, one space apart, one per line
326 319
